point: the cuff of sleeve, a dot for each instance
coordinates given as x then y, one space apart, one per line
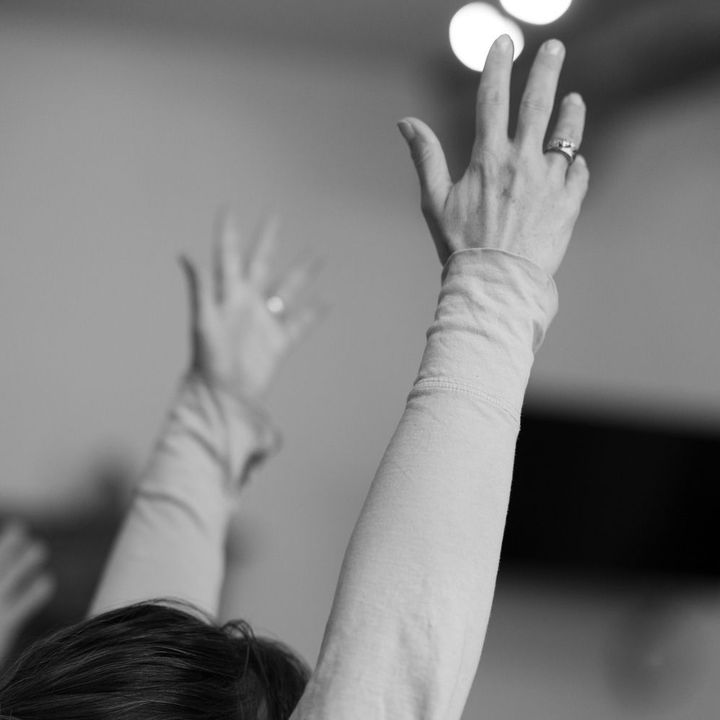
215 428
493 312
506 274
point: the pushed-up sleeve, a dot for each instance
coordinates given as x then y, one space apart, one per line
413 600
172 541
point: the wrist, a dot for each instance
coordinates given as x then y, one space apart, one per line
243 432
232 435
493 310
467 260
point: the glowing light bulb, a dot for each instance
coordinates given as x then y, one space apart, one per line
537 12
475 27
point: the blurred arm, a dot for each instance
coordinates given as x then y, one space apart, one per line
413 600
172 542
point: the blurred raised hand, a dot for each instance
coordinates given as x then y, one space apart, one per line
244 319
512 196
26 586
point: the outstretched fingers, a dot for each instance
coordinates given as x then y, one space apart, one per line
198 293
578 179
27 561
34 595
569 126
25 585
493 95
227 256
259 267
429 160
539 96
298 278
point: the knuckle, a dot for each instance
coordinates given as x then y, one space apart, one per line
486 163
508 175
534 103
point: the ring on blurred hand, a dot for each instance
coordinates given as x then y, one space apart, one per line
563 146
276 305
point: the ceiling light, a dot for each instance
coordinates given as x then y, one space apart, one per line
473 30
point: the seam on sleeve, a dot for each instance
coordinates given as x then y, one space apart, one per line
456 386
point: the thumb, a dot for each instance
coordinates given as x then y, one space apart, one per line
197 292
429 159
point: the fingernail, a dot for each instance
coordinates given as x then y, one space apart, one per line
406 130
554 47
575 98
504 42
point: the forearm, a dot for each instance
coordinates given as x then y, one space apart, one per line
414 596
172 541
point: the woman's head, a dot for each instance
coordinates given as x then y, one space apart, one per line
153 661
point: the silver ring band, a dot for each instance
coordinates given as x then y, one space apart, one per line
563 146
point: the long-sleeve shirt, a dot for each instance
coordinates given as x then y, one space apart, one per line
172 541
413 600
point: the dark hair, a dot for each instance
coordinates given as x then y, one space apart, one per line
156 660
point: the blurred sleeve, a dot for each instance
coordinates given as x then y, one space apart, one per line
172 542
413 600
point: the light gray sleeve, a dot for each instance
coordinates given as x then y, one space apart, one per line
172 542
413 600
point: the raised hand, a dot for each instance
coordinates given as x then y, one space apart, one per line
243 323
25 586
512 196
